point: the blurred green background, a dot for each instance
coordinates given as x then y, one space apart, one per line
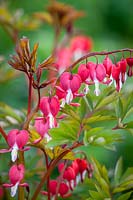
109 23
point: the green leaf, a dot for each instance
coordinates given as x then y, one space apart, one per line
97 118
119 108
118 170
8 111
101 137
125 196
95 195
108 96
66 133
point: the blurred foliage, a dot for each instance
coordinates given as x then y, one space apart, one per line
110 24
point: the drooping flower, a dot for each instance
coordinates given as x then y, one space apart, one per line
50 107
123 67
69 86
16 174
16 139
116 69
70 176
130 64
42 125
97 75
107 62
80 45
64 56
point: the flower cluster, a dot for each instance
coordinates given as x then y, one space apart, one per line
69 177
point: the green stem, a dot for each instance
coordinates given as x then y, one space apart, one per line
3 133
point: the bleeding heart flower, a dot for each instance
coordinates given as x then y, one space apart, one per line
69 85
80 45
50 107
97 75
107 62
16 174
130 64
42 126
16 139
116 69
70 176
123 67
64 56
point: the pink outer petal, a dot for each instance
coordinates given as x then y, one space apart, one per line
44 105
60 92
22 138
44 193
41 126
54 106
25 149
37 140
11 137
7 185
16 173
65 80
108 65
115 72
75 83
24 184
75 104
83 72
5 150
92 69
100 72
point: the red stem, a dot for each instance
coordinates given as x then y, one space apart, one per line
102 53
48 179
51 167
29 94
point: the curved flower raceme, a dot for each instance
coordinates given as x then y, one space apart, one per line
16 174
68 88
50 107
16 139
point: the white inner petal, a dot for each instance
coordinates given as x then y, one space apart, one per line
14 152
63 103
51 121
97 90
86 89
14 189
69 96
